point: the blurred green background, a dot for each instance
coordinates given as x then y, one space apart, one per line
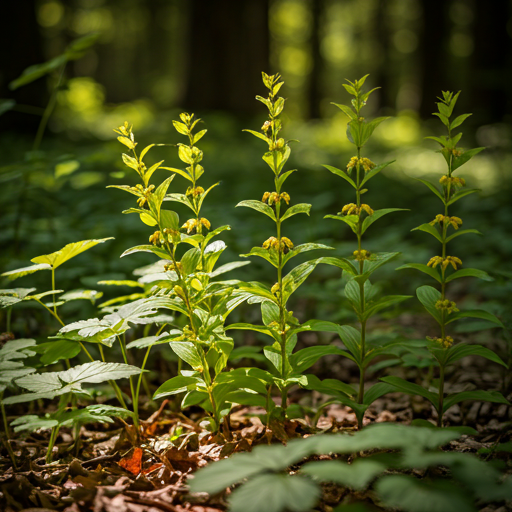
154 59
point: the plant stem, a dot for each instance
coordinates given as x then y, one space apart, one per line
113 383
137 390
53 295
7 432
441 396
122 341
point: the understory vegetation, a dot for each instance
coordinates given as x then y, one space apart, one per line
194 357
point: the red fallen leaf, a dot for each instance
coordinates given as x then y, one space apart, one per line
152 468
133 463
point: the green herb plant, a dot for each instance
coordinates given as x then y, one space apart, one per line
445 228
279 323
358 269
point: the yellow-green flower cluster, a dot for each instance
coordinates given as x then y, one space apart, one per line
443 219
196 225
362 255
447 305
194 192
445 342
283 244
365 163
444 262
275 198
353 209
452 180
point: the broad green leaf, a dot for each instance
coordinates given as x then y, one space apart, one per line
214 232
376 391
427 228
376 260
298 249
185 174
470 272
463 232
283 177
17 349
280 493
458 121
342 173
257 290
370 174
227 267
351 338
373 306
458 161
428 296
432 272
58 350
475 313
147 248
346 110
20 272
432 187
190 261
296 277
270 256
260 207
342 263
410 494
91 295
259 135
462 193
462 350
250 327
183 199
357 475
276 159
307 357
150 341
297 208
411 388
351 220
175 385
69 251
477 394
188 352
331 387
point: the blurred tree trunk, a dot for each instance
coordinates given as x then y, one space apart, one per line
315 90
491 62
433 53
228 45
22 47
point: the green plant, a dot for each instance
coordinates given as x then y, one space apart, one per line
358 462
358 290
279 323
437 303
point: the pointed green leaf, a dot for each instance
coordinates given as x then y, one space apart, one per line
372 172
147 248
463 232
307 357
297 208
411 388
432 187
465 157
432 272
351 220
428 296
462 193
427 228
377 214
475 313
20 272
343 174
462 350
175 385
260 207
477 394
470 272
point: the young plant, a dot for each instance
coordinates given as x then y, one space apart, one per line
445 268
358 269
185 281
267 483
279 323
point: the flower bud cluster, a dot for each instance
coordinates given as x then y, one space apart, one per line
366 164
146 192
276 290
196 225
176 267
452 180
444 219
275 198
445 342
126 135
282 245
362 255
194 192
444 262
278 144
447 305
353 209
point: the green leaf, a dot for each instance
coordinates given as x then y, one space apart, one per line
307 357
385 302
259 135
465 157
428 296
296 277
183 199
91 295
260 207
463 232
342 173
376 391
146 248
297 208
6 105
411 388
52 384
470 272
351 338
175 385
368 128
333 387
185 174
282 178
458 121
69 251
357 475
188 352
346 110
298 249
461 350
372 172
351 220
342 263
150 341
475 313
58 350
190 261
277 158
432 272
257 290
266 254
433 188
427 228
408 493
280 493
377 214
478 394
21 272
250 327
462 193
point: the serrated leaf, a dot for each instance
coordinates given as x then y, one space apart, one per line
20 272
69 251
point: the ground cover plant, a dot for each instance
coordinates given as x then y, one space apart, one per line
172 393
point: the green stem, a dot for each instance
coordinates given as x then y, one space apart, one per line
122 341
113 383
139 382
53 295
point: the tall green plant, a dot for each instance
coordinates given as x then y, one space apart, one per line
279 323
358 269
445 268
